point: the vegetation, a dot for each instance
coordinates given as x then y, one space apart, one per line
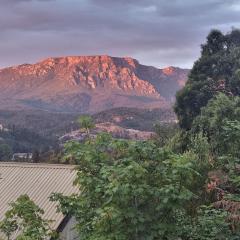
86 123
43 123
164 133
38 132
25 140
128 189
220 121
217 70
14 139
5 152
140 119
25 217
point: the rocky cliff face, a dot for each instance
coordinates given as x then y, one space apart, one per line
88 84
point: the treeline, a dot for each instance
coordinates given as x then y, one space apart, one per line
44 123
14 139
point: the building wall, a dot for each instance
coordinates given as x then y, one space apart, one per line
68 232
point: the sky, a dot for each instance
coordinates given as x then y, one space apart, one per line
156 32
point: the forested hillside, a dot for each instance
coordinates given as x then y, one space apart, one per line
14 139
31 131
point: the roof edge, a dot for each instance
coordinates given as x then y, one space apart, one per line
36 165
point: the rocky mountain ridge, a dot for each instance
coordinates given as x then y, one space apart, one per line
88 84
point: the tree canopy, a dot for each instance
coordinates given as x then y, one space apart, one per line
220 122
127 189
217 70
25 217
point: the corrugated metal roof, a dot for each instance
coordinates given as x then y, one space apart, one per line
38 181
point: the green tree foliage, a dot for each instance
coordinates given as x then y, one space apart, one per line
217 70
86 123
129 190
164 133
25 217
220 122
211 224
5 152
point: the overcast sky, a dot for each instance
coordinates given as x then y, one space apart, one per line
156 32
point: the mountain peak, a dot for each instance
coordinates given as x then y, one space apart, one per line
92 58
169 70
89 83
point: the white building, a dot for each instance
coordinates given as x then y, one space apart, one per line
38 181
22 156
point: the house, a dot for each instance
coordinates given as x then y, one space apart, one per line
38 181
22 156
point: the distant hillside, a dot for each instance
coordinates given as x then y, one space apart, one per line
108 127
140 119
37 129
41 122
56 124
88 84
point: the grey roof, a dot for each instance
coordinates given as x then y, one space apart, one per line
38 181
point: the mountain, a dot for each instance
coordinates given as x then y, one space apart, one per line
88 84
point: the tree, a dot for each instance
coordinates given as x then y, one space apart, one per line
25 217
87 123
220 122
164 132
5 152
217 70
211 224
129 190
36 156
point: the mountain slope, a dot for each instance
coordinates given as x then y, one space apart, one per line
88 84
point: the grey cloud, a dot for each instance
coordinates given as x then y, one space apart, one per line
10 2
157 32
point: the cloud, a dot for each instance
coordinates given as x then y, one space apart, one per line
11 2
157 32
